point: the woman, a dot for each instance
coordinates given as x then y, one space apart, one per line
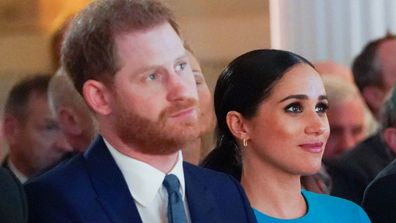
192 151
271 114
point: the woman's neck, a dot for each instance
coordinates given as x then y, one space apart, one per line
273 192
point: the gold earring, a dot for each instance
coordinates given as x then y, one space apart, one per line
244 142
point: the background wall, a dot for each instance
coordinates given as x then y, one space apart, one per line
334 30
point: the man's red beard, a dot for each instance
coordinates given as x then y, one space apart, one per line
157 137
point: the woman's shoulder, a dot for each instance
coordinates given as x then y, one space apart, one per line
324 204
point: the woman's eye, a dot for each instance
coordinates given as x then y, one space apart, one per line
294 108
322 108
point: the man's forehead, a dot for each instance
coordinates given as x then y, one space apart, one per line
155 46
149 37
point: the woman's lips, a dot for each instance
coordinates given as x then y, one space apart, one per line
316 147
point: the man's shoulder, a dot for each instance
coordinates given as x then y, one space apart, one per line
366 148
381 190
389 172
372 149
65 175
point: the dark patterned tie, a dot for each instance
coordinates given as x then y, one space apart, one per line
176 213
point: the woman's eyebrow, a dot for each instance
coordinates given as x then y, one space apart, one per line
303 97
295 96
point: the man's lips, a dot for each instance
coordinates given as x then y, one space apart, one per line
183 112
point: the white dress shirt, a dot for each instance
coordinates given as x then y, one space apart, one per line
145 185
21 177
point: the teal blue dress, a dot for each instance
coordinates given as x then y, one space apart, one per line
324 209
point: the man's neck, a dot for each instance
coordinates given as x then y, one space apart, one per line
162 162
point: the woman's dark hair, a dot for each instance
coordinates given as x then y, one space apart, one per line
246 82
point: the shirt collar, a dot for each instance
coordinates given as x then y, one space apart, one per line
21 177
145 181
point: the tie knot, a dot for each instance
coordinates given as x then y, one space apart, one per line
171 183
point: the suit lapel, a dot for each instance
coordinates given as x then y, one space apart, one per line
109 184
201 203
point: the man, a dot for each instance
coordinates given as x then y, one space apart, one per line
380 197
347 116
35 141
374 71
74 117
353 171
133 71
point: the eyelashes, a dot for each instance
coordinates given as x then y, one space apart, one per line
297 107
322 107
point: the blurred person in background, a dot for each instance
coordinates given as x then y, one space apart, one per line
192 152
379 199
36 143
374 71
330 68
73 115
348 116
354 170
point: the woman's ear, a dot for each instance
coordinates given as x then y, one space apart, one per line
97 96
11 129
237 125
373 95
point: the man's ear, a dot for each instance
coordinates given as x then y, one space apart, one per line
237 125
390 138
97 96
11 128
373 96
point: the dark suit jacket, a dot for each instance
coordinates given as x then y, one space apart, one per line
90 188
13 207
353 171
379 199
4 163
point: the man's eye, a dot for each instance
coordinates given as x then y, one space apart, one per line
294 108
181 66
153 76
50 127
